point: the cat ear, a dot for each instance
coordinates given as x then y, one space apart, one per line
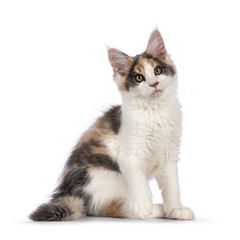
156 47
119 61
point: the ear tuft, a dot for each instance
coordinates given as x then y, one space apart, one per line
119 61
156 47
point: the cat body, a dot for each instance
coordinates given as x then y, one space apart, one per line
108 171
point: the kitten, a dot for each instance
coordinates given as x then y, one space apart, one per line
108 171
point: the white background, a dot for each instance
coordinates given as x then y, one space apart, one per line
56 80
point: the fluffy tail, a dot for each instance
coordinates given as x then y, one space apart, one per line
62 209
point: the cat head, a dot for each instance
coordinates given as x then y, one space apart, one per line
146 75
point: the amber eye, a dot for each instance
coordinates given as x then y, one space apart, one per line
139 78
157 70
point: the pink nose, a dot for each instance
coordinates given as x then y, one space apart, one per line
154 85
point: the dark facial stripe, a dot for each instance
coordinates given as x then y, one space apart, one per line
166 69
130 81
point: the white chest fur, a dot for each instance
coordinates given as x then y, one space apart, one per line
151 132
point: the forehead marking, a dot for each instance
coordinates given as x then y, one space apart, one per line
149 69
150 61
140 66
143 63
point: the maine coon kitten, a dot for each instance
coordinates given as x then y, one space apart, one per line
108 171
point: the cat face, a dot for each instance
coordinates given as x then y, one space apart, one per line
148 74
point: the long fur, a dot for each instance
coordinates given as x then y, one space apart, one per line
108 171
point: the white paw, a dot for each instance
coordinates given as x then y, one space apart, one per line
179 213
158 211
141 205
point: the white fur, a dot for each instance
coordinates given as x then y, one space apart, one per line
150 137
146 146
104 187
112 143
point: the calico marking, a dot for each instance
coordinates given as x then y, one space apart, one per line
130 80
113 118
115 209
167 69
61 209
138 67
70 200
85 156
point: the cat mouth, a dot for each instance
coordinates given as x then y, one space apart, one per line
157 92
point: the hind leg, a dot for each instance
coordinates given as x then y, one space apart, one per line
110 197
121 209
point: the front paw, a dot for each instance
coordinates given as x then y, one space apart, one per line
179 213
141 205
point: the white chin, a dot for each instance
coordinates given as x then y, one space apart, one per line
157 93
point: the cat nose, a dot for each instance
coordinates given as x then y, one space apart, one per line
154 85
